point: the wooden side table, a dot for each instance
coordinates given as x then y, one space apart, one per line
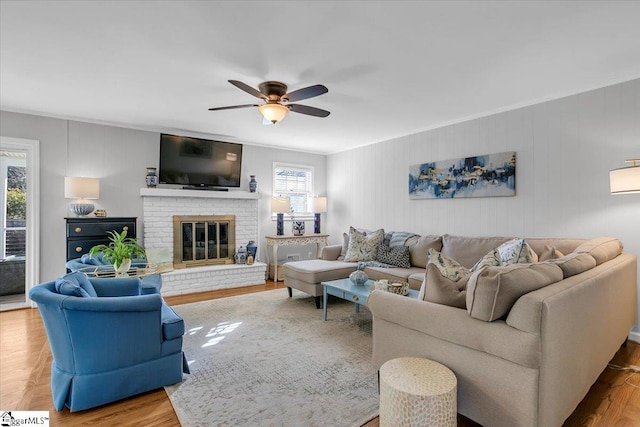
274 242
417 392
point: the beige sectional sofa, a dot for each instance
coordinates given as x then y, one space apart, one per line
534 363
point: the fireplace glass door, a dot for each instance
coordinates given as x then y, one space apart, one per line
204 240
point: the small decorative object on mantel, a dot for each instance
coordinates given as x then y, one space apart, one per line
252 248
249 258
253 184
100 213
151 179
241 255
358 277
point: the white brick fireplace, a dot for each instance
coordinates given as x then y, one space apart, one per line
159 207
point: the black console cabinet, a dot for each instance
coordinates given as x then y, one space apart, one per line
85 233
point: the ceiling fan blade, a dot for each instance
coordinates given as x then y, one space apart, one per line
306 92
251 91
309 111
233 107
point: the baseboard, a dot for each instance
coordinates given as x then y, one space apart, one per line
634 336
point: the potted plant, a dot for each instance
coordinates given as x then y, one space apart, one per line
120 250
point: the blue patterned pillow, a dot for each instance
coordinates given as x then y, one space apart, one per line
516 251
448 267
398 256
491 259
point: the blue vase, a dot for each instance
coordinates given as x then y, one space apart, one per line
253 184
252 248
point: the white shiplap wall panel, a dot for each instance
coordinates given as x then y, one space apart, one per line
564 150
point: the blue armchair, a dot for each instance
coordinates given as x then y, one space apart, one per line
150 284
108 340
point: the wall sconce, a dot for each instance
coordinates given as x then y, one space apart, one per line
625 180
82 189
318 205
279 205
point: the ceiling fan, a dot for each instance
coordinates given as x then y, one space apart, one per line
278 101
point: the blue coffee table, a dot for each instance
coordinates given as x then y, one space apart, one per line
345 289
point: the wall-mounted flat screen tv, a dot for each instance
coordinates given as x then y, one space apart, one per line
202 163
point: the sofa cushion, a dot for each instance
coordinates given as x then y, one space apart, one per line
563 245
549 252
492 291
415 280
574 263
440 289
75 284
468 250
601 249
363 247
516 251
419 247
398 256
317 270
392 274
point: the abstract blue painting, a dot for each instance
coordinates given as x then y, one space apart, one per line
491 175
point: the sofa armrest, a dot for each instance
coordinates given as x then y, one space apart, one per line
330 253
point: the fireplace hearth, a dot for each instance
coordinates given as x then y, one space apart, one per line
200 240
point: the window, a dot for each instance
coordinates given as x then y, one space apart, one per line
296 183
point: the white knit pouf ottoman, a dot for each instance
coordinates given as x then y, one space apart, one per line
417 392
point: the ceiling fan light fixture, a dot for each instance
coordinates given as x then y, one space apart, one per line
273 112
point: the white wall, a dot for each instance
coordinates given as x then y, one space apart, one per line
119 157
565 149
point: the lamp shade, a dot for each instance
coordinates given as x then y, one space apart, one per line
273 112
280 204
625 180
81 188
317 204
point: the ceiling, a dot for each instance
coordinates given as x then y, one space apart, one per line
392 68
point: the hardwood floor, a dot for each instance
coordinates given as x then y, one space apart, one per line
25 369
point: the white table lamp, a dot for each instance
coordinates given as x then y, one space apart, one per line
280 205
82 189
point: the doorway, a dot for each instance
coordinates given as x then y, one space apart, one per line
18 220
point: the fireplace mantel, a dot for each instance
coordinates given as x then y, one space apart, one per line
205 194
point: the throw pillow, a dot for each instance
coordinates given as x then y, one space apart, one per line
601 249
448 267
574 263
439 289
69 288
549 252
363 247
492 291
491 259
398 256
79 279
516 251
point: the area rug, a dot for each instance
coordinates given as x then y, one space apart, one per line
265 359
